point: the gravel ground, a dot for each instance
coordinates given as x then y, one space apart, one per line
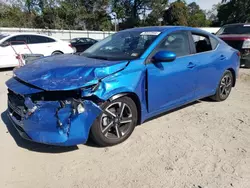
203 145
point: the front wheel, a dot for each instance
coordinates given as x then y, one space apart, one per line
116 123
225 87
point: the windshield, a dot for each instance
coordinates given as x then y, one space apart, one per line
124 45
3 36
234 29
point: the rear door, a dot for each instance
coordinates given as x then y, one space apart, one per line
42 45
208 59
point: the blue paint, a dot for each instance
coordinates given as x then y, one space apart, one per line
66 72
21 88
164 56
159 86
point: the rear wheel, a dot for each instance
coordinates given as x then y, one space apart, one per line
225 87
116 123
57 53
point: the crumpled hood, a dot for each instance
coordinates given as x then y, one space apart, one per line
67 72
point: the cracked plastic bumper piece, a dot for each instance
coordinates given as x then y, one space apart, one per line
55 125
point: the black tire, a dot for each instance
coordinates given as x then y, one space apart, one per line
119 111
247 65
224 88
57 53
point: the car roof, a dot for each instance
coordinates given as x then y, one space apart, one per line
235 24
82 38
152 28
163 28
26 33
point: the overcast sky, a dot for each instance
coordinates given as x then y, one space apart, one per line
204 4
207 4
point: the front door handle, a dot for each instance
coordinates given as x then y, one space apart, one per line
191 65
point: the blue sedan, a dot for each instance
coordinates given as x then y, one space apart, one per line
118 83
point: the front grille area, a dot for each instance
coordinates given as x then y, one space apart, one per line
16 105
237 44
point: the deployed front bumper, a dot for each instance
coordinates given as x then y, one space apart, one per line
52 124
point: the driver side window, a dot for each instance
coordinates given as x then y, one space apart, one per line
18 40
176 42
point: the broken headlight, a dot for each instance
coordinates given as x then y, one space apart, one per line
76 105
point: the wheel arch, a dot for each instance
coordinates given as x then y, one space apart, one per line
56 51
134 97
234 75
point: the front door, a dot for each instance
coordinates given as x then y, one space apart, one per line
171 84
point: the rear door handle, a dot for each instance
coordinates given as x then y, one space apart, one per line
222 57
191 65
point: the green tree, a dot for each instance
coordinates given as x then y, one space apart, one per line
157 8
12 16
234 11
128 12
197 17
176 14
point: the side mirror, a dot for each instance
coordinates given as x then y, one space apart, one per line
4 44
164 56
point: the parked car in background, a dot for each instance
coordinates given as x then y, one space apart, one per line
238 37
24 43
118 83
81 44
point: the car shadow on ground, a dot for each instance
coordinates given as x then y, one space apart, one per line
32 146
6 69
177 109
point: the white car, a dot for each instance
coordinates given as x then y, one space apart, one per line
24 43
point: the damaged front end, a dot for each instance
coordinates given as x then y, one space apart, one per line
51 117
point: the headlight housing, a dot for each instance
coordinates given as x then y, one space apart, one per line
86 91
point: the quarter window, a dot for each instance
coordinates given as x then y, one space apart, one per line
214 42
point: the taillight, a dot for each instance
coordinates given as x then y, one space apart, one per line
246 44
70 45
238 53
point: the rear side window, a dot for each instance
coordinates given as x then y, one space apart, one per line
18 40
35 39
90 40
202 43
82 40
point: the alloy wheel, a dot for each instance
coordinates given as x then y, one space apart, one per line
116 120
225 86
